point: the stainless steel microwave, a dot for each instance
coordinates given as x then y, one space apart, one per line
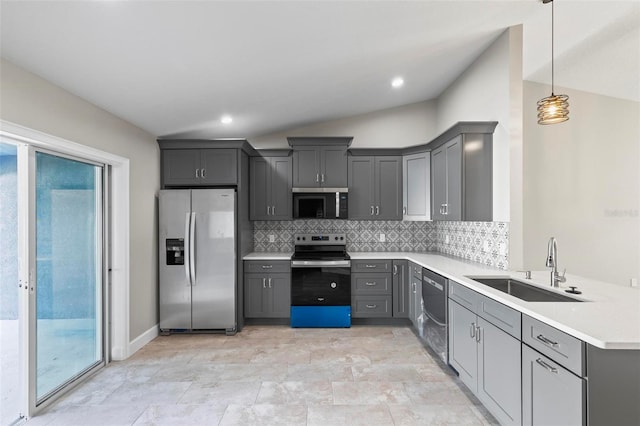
320 205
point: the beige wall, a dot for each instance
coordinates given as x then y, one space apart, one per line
582 185
398 127
32 102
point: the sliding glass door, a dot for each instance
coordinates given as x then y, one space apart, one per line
68 271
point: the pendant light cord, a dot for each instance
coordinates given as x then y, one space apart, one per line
552 52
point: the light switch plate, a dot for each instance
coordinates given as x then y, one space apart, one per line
634 282
272 238
383 238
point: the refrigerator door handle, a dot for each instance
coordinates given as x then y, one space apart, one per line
192 249
187 253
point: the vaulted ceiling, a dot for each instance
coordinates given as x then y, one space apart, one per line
176 67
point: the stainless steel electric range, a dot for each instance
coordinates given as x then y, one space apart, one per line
320 281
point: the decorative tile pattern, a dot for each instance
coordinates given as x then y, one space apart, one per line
475 241
479 242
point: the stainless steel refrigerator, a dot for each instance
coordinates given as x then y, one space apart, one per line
197 239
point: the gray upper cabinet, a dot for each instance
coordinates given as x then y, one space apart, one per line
375 187
462 174
319 162
416 186
270 188
199 167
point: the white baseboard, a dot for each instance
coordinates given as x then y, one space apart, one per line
136 344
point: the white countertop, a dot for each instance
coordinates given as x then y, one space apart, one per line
609 317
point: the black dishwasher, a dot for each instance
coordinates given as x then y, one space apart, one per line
434 300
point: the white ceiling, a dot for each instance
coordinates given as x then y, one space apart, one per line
175 67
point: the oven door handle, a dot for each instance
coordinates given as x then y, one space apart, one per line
320 263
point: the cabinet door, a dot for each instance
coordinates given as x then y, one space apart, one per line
388 188
551 395
255 288
361 188
333 166
259 189
279 286
280 188
453 150
219 166
401 286
499 377
306 165
181 167
416 190
462 344
438 183
417 301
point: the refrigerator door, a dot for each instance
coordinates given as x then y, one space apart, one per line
214 254
175 286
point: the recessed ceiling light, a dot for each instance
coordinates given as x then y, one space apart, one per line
397 82
226 119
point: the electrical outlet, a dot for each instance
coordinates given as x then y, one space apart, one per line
383 238
634 282
485 246
446 239
272 238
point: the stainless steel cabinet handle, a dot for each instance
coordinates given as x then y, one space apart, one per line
317 177
377 210
269 282
547 366
446 209
395 269
267 266
478 334
197 173
371 306
370 266
414 287
202 172
472 330
268 210
371 210
546 341
273 210
404 210
322 177
264 283
370 284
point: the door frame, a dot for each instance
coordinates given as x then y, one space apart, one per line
116 237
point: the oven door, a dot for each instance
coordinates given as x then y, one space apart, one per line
321 283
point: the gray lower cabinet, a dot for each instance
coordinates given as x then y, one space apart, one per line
486 357
371 291
416 186
551 394
415 293
199 167
267 289
270 188
375 187
400 289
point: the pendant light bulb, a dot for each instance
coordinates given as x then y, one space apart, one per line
555 108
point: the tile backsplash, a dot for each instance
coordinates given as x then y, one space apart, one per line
481 242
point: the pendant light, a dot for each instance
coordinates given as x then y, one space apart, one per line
555 108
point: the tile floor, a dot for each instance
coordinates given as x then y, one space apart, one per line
274 375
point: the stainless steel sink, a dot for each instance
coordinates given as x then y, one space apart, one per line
522 290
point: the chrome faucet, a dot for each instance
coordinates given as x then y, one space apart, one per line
552 262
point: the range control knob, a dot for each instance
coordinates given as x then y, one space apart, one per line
336 238
341 238
334 285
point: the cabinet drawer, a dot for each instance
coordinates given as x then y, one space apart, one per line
370 266
416 270
557 345
371 283
501 316
370 306
464 296
267 266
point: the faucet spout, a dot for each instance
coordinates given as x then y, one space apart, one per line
552 262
